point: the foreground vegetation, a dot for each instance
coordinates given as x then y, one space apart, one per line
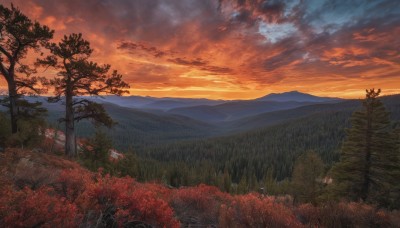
39 189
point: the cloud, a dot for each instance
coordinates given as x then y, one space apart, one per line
131 47
240 46
217 69
193 62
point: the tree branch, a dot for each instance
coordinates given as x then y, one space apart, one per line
82 102
4 71
9 56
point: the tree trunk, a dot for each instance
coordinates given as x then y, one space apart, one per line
70 148
13 96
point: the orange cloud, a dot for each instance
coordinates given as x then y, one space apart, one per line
232 49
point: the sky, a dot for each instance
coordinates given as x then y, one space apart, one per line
236 49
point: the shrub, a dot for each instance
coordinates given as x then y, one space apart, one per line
29 208
254 210
121 200
198 205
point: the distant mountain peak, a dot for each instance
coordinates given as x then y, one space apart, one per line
295 95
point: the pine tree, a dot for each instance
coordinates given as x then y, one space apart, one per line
306 178
96 151
78 76
18 35
369 161
129 165
227 181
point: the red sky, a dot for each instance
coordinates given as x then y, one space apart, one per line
236 49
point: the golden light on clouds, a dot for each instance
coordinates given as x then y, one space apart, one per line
235 49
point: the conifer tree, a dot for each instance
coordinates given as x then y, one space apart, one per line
78 76
369 161
96 151
18 35
306 178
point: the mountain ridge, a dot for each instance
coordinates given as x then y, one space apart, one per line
296 96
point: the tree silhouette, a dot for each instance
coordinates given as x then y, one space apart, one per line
77 76
18 34
369 162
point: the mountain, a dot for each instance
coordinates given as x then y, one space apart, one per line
204 113
270 141
124 101
153 103
234 110
166 104
275 117
141 129
175 104
135 127
296 96
271 118
203 109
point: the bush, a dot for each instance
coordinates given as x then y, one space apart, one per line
198 205
118 200
254 210
29 208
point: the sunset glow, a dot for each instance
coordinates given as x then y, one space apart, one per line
236 49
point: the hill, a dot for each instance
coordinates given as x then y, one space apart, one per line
272 118
230 111
296 96
134 127
140 128
276 117
271 146
155 103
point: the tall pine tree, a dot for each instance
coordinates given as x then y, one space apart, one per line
78 76
18 35
369 161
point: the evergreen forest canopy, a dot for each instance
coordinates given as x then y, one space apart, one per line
356 144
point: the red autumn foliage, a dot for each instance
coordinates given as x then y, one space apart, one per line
60 193
198 205
28 208
200 198
125 198
143 205
255 210
72 183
